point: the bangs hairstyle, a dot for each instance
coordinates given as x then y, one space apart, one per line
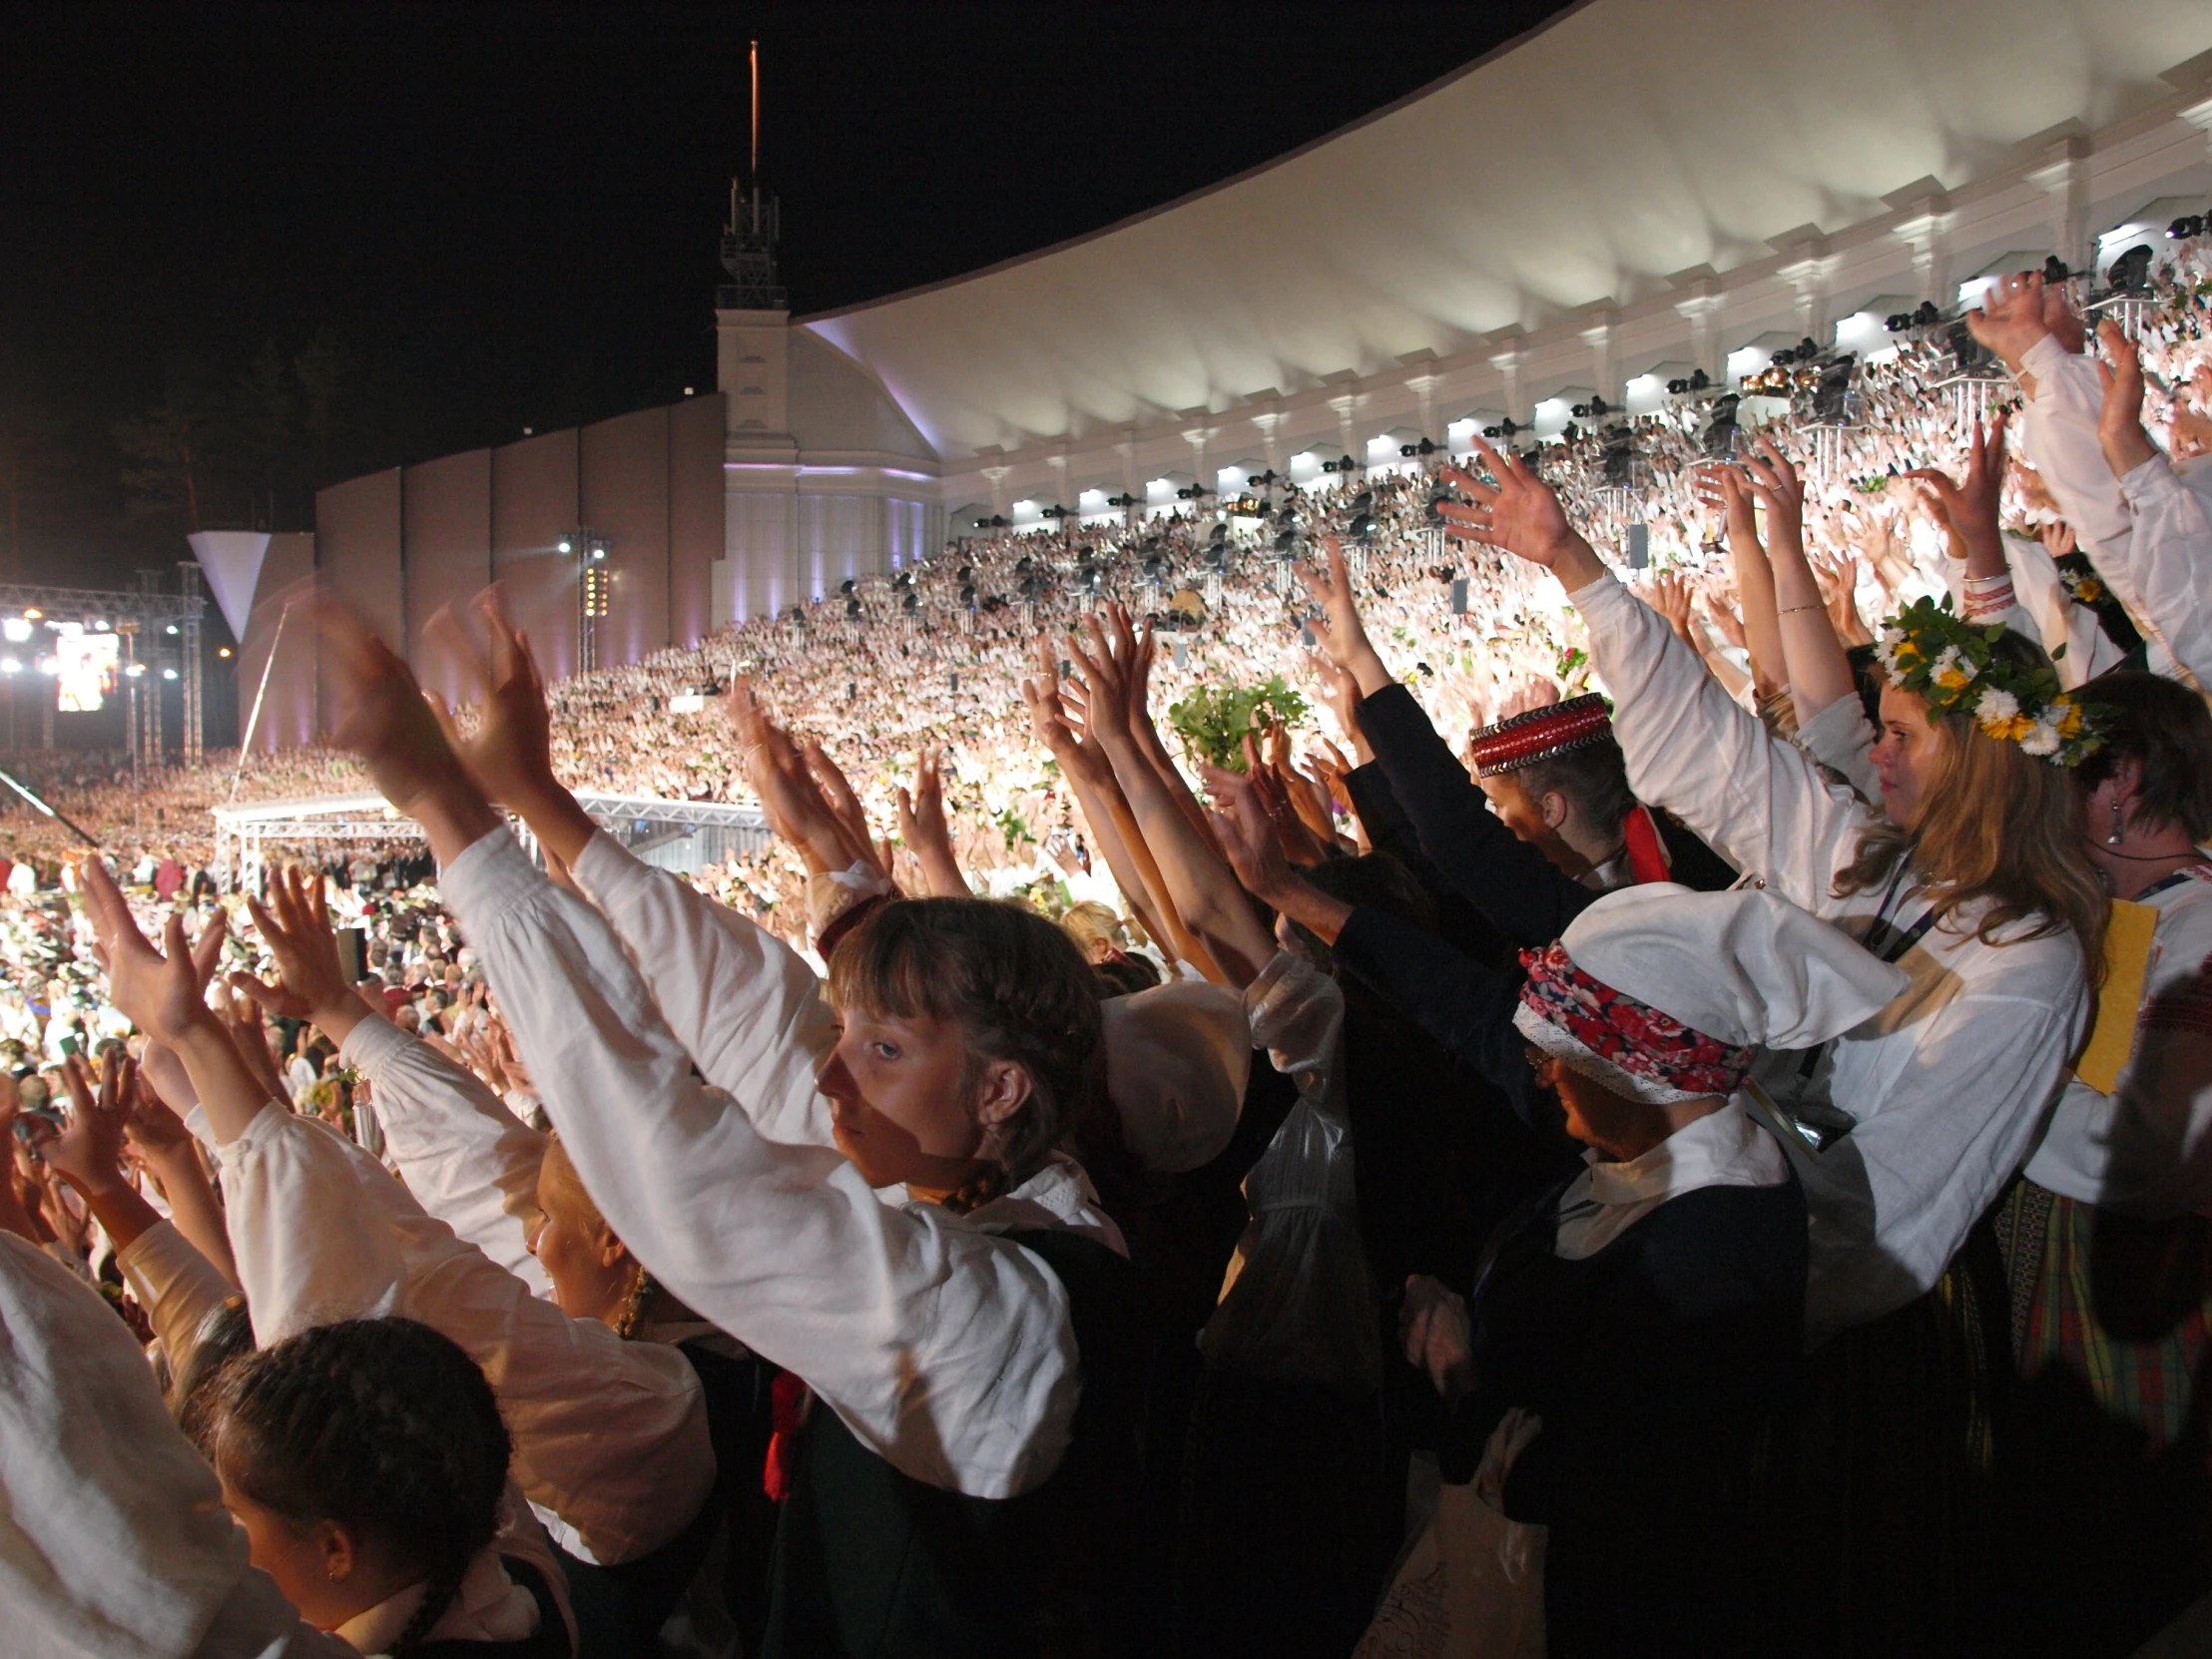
1996 827
1014 984
2165 728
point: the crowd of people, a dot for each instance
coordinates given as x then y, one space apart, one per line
1668 1117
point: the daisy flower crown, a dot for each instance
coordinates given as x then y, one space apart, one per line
1928 649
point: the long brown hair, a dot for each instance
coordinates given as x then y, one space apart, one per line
1999 826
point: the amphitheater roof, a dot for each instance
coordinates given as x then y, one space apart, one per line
1581 166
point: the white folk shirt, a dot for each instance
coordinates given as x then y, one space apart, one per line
609 1435
1949 1084
2141 1149
465 1157
113 1542
1178 1054
1721 1149
945 1348
2059 435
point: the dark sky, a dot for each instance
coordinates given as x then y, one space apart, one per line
509 213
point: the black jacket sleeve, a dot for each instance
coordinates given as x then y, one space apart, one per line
1509 880
1390 830
1462 1004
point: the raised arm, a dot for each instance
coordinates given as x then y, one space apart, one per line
741 1002
610 1437
2169 555
466 1159
1105 809
1755 579
1814 665
879 1308
1509 880
1689 748
1199 881
1462 1004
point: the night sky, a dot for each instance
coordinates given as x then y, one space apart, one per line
499 216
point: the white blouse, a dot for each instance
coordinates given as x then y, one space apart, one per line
2142 1149
609 1435
945 1348
113 1542
1948 1086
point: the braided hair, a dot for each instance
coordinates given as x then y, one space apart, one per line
382 1425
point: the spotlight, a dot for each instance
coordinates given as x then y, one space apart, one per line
223 651
32 613
16 628
9 665
2190 226
2130 273
171 630
169 674
2055 269
566 545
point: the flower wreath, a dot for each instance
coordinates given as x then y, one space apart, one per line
1950 662
2084 587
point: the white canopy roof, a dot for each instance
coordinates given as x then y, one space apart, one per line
1625 142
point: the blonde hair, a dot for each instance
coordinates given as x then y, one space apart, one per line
1091 924
2000 827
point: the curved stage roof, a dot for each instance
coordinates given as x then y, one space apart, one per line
1623 143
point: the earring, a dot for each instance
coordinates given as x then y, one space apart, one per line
2113 839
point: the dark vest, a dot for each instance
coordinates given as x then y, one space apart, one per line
870 1562
548 1641
620 1609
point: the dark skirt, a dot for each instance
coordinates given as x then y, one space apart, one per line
1291 1517
1877 1500
2107 1493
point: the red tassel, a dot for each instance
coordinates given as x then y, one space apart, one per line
787 1397
1647 853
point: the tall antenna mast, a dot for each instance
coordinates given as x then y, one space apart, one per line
748 238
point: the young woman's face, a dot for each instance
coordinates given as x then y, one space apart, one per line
1906 755
590 1270
901 1111
311 1565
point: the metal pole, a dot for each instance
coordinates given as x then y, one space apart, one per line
246 738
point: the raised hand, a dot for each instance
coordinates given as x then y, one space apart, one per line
386 722
88 1153
1778 489
1720 487
1341 635
311 983
922 827
1137 691
160 991
1671 597
1246 835
789 794
1521 513
837 790
510 754
1969 507
2010 317
153 1129
1538 691
1106 683
2121 422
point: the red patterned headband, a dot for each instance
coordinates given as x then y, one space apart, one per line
1629 1036
1541 733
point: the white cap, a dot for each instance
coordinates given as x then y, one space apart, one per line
1746 968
